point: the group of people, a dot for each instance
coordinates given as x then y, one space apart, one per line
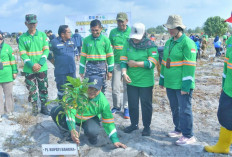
129 54
201 43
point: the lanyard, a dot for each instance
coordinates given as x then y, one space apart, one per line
170 49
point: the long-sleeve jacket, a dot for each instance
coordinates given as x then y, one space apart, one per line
64 55
96 49
99 106
34 49
9 65
227 71
181 74
117 39
140 76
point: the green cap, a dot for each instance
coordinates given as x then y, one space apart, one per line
122 16
31 18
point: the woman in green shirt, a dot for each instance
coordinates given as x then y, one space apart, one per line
8 72
178 77
138 59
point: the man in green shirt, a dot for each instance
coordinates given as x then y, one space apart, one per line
97 52
34 50
118 37
97 108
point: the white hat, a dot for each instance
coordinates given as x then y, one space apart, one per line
174 21
137 31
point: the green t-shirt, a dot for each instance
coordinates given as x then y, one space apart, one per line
34 49
9 65
181 74
117 39
99 106
140 76
96 49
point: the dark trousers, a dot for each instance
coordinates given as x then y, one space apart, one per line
218 53
181 108
61 80
144 94
97 68
225 111
91 126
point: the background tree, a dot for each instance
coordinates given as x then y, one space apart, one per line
198 30
160 29
230 28
151 30
215 26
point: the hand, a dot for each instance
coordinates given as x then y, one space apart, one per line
36 67
109 75
132 63
82 76
162 87
74 136
119 144
127 78
183 92
14 76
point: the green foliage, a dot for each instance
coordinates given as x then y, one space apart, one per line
198 30
215 26
151 30
158 30
230 28
75 96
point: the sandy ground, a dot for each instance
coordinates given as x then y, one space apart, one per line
24 135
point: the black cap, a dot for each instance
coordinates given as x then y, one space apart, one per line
98 82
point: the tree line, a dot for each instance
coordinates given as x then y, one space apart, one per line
213 26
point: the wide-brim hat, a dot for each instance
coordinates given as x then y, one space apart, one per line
174 21
137 31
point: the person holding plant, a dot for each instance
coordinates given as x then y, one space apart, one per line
89 116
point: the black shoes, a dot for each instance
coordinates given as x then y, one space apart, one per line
93 140
131 128
44 110
146 131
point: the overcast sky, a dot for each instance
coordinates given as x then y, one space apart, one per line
51 13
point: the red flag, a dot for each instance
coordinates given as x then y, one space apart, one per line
229 19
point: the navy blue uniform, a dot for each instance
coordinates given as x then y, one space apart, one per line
64 56
78 41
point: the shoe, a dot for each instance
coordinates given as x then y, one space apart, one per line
131 128
44 110
174 134
115 110
146 131
93 140
0 118
223 144
126 113
10 115
185 140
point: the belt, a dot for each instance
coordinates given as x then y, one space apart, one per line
96 62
